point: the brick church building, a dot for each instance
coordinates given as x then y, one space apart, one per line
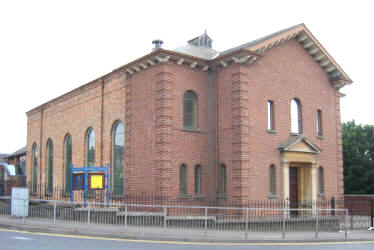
256 122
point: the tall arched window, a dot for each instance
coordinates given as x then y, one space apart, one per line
272 180
190 110
90 147
321 184
296 125
222 180
68 153
197 180
118 142
183 180
49 166
34 168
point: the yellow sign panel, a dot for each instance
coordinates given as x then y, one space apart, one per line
96 181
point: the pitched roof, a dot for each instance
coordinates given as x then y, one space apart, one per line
18 152
206 58
198 51
259 40
2 158
287 145
301 33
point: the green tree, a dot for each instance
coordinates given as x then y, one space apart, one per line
358 158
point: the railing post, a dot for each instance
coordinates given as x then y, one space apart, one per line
246 223
351 213
371 212
165 214
54 212
88 214
316 222
206 221
346 224
125 217
333 206
24 217
284 224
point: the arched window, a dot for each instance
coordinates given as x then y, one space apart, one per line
271 115
90 147
222 180
118 142
183 180
49 166
68 152
319 122
321 183
190 110
296 125
272 181
34 168
197 180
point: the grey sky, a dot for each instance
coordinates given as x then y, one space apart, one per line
48 48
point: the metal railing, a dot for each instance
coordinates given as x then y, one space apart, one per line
183 220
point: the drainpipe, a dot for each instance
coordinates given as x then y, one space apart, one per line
101 122
217 139
41 148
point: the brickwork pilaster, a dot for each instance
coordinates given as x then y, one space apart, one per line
240 127
163 109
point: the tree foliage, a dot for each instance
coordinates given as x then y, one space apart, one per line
358 158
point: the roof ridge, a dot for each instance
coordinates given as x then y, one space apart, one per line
258 40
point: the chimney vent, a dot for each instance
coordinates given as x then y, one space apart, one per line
158 43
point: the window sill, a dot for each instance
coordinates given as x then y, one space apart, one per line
271 131
273 196
191 129
222 196
117 196
198 196
320 137
321 195
296 134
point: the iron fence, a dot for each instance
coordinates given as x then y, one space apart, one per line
198 220
361 210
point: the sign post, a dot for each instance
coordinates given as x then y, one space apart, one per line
92 178
20 202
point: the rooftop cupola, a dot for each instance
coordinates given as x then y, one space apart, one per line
203 41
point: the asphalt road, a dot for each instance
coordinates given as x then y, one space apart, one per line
10 240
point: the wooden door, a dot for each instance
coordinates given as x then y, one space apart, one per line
294 202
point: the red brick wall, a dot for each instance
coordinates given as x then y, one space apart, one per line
150 104
288 72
